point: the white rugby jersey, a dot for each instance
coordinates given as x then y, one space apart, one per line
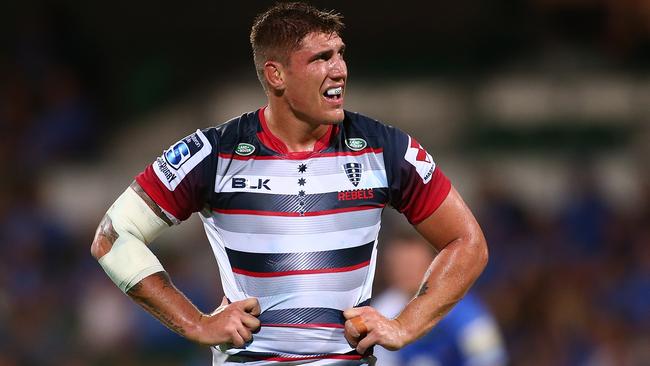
298 231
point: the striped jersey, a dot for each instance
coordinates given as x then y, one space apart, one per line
296 230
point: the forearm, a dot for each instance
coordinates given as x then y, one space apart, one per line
120 246
158 296
448 278
462 254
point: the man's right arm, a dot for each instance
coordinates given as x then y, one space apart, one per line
120 247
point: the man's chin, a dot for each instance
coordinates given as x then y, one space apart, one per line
335 117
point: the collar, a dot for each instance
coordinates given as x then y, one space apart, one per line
271 141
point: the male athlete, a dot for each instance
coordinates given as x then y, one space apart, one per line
291 197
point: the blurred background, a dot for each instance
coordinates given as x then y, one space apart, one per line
538 111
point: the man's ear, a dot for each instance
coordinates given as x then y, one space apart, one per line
274 74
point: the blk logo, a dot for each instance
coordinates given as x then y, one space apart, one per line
353 172
242 183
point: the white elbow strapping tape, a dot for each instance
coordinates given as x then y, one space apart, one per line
130 260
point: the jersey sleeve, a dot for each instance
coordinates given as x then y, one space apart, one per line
417 185
181 179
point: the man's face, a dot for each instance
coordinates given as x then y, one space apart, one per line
315 79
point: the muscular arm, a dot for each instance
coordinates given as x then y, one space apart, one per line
158 296
453 231
462 256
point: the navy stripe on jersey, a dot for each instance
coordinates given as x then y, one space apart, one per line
283 264
305 317
297 203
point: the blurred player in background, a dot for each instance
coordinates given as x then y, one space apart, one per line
467 336
291 197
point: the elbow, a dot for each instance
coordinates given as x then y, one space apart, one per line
484 255
481 253
95 248
100 245
105 237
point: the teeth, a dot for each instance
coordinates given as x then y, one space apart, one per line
334 91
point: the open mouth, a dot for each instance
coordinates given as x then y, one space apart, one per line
334 93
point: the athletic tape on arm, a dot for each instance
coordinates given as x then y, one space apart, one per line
130 260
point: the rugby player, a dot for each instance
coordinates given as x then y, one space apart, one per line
291 197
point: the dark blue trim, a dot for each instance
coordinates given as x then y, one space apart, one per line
282 262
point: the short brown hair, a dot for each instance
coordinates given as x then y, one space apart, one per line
279 30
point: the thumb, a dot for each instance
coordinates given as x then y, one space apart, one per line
353 312
251 306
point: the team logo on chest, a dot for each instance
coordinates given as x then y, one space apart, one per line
353 172
356 144
244 149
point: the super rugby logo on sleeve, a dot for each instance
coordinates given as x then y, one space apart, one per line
183 156
177 154
420 159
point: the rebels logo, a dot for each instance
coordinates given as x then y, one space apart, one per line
242 183
353 172
357 194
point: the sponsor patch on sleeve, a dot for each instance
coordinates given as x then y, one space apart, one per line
417 156
179 160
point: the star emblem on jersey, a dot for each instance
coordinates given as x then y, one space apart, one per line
302 181
353 172
302 168
301 193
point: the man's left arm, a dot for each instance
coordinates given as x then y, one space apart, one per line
453 231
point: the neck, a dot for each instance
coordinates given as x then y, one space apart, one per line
298 135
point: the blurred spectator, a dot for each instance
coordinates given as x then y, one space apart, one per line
468 335
584 215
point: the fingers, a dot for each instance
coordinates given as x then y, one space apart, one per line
232 323
250 305
359 325
239 334
350 334
354 312
355 326
367 342
237 339
366 327
250 322
355 330
245 333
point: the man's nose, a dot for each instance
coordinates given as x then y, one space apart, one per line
338 69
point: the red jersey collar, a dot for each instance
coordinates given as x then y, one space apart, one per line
273 142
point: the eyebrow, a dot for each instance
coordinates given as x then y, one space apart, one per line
327 53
